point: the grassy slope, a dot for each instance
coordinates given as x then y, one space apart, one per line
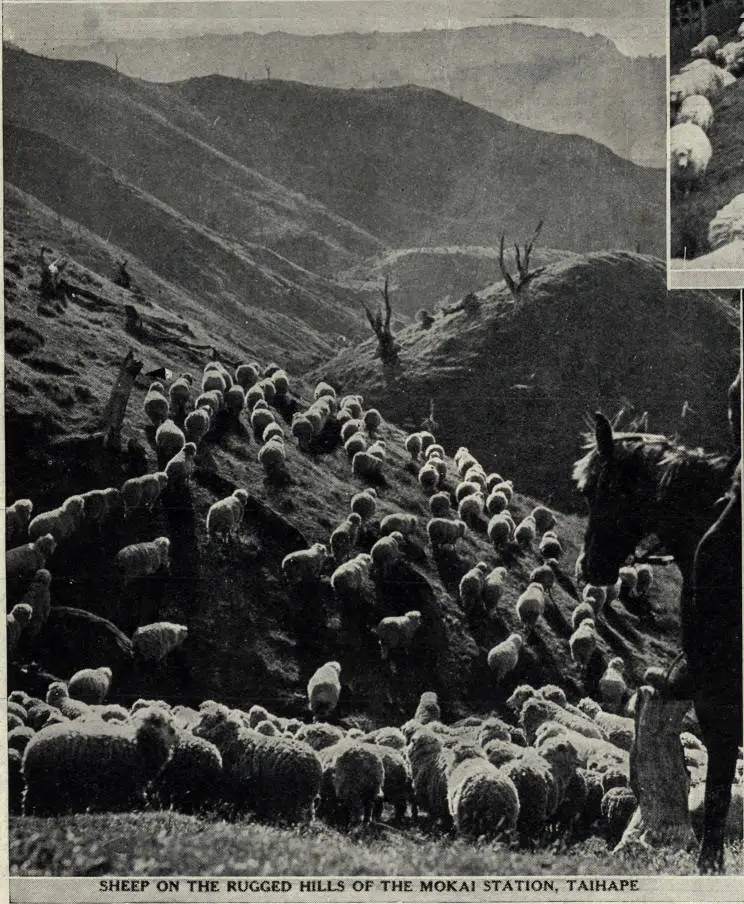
597 331
172 844
418 167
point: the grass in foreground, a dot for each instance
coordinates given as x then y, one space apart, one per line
167 843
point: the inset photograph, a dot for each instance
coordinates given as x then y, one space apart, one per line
706 159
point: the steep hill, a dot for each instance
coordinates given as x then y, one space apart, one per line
547 78
252 638
415 166
597 331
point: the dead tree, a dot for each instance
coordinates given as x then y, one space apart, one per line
387 347
113 415
523 265
429 423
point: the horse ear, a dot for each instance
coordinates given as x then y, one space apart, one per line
603 436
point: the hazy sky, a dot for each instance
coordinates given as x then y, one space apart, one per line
637 26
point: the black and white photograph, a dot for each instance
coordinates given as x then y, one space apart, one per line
372 504
706 167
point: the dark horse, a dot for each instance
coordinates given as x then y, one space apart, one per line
637 485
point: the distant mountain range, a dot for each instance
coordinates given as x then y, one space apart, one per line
551 79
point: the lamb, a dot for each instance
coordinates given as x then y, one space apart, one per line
620 730
386 551
372 420
503 658
612 685
169 440
305 565
428 477
142 559
348 579
180 468
235 400
247 374
17 518
38 597
440 506
397 631
95 766
583 642
413 445
61 522
444 532
525 532
428 708
470 509
16 621
180 392
493 585
430 765
365 465
29 558
398 522
344 537
706 49
531 605
324 689
471 589
357 442
156 405
351 789
155 641
500 529
690 151
272 455
482 800
90 685
278 777
696 110
364 504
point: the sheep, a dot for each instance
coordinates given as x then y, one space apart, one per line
16 621
61 522
430 764
503 658
152 486
260 420
496 503
544 518
428 477
698 77
618 806
372 420
131 493
95 766
612 685
476 474
357 442
350 428
169 439
213 379
413 445
583 642
397 631
17 517
387 736
620 730
213 401
471 589
397 785
180 468
324 389
644 579
434 450
304 565
253 395
90 685
537 710
463 459
706 49
470 509
319 735
386 551
38 597
246 375
583 612
428 708
690 151
440 505
731 57
427 439
400 522
281 382
444 532
482 800
348 579
493 586
142 559
225 516
365 465
155 641
303 431
344 537
278 777
543 575
18 738
272 455
180 392
188 780
439 465
273 431
500 529
550 546
156 405
352 785
29 558
324 689
94 507
378 449
596 597
530 605
234 400
525 532
696 110
354 404
364 503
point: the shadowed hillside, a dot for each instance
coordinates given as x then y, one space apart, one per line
600 330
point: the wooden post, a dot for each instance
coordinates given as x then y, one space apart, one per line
113 415
658 775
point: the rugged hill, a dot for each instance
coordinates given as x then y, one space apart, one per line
252 639
597 331
415 166
546 78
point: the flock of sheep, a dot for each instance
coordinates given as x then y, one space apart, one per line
694 92
544 765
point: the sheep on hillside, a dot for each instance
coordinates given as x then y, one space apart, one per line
90 685
471 589
696 110
16 621
29 558
180 468
348 579
531 605
365 465
61 522
482 800
304 565
440 505
397 631
690 151
445 531
364 503
156 405
400 522
430 765
17 518
38 597
352 784
428 477
493 585
143 559
155 641
344 537
386 551
706 49
169 439
180 393
503 658
324 689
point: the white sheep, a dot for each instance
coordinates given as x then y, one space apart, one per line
583 642
197 424
305 565
544 518
354 404
169 439
260 420
493 585
731 57
496 503
345 536
476 474
225 516
525 532
596 597
180 468
470 509
697 77
706 49
247 374
372 420
280 379
644 579
581 613
413 445
253 395
364 503
323 389
440 505
29 558
154 642
324 689
463 459
38 597
213 379
378 448
18 619
352 786
152 485
428 708
628 579
272 455
143 559
180 392
365 465
500 530
398 521
348 579
690 151
612 685
503 658
445 531
302 430
61 522
273 431
397 631
506 487
357 442
156 404
349 428
90 685
235 400
440 465
531 605
471 589
428 477
697 110
482 799
17 517
386 551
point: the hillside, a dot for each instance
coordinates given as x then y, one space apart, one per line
370 156
547 78
59 370
598 331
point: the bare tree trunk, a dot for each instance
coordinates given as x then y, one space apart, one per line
658 776
113 415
